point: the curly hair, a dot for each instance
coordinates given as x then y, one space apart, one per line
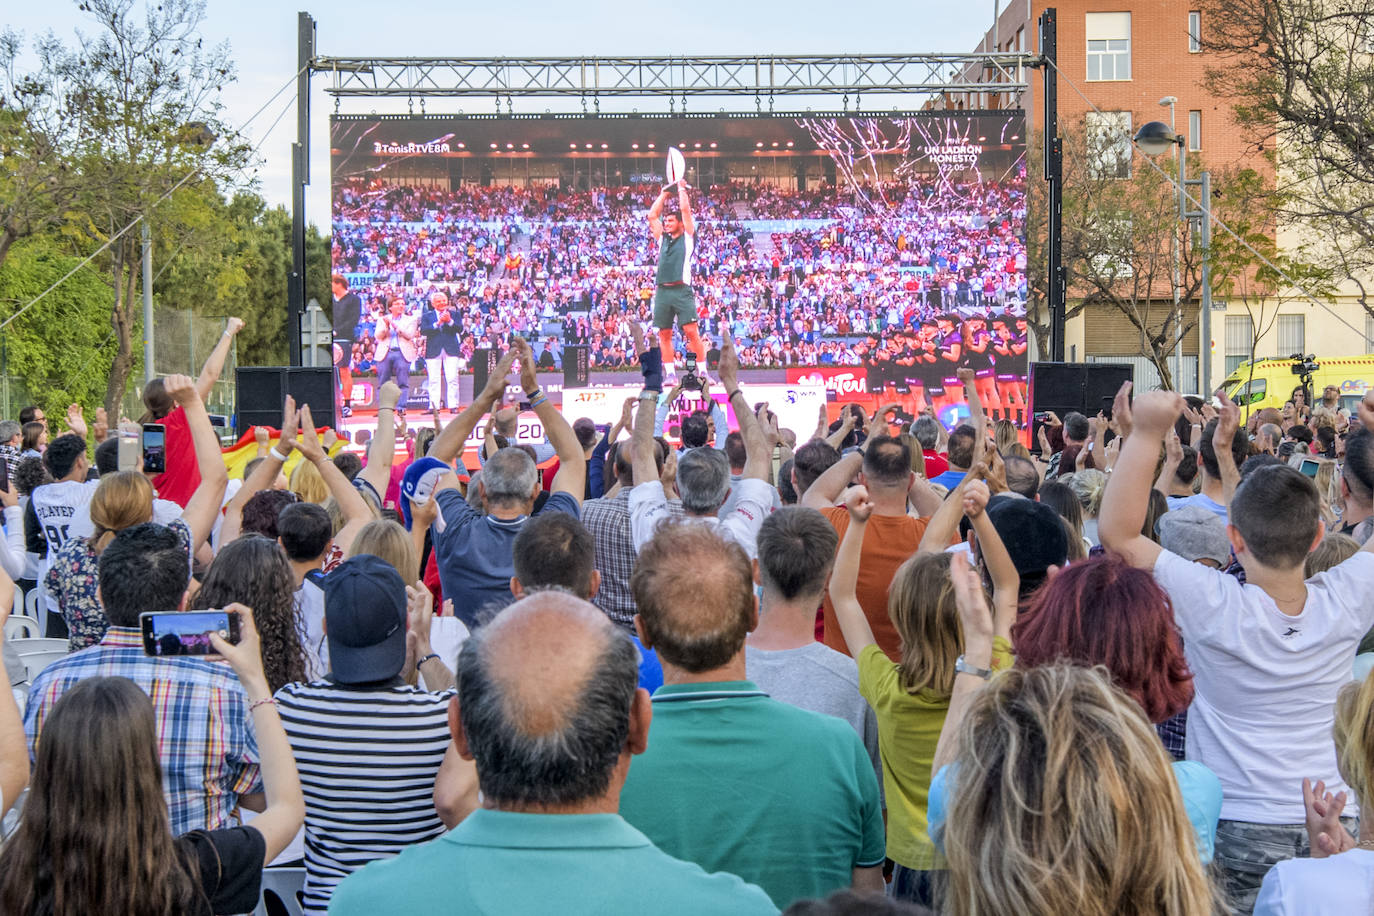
254 571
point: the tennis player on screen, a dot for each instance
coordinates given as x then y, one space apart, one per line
673 296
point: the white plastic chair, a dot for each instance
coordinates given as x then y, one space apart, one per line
21 626
31 606
284 885
37 654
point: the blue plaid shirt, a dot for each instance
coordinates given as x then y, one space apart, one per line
208 750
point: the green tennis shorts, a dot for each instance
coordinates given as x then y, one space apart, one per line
674 301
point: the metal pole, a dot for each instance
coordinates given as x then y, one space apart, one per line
1054 178
1205 238
1178 309
300 177
148 372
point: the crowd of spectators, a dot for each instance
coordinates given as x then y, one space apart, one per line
877 667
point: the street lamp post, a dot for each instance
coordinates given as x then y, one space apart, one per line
1154 138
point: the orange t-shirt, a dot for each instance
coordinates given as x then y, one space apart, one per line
888 542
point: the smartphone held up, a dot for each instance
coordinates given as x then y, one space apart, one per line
186 632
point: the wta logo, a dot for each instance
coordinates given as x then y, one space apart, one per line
841 381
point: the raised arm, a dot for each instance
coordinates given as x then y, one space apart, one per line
355 510
844 578
656 215
825 492
203 507
975 412
758 460
977 625
643 465
847 421
1228 423
449 443
1006 581
684 202
1173 457
943 526
572 461
214 364
262 477
381 451
1127 495
285 811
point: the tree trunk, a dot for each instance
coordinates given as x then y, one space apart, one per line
121 320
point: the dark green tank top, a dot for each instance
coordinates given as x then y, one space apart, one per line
673 256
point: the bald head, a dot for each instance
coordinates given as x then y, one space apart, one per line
695 594
544 694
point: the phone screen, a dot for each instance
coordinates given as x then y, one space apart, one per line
1309 467
186 632
154 448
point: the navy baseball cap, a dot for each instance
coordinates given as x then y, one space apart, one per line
365 620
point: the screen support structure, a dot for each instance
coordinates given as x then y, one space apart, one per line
1057 293
712 76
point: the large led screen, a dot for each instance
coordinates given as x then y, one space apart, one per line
886 250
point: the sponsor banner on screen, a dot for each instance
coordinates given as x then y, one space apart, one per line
838 383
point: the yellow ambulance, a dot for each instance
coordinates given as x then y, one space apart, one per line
1270 382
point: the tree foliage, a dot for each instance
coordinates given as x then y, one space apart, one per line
1300 74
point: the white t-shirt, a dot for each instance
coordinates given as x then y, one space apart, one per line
1265 682
310 603
164 513
1317 887
753 502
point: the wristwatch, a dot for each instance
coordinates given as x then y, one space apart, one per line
963 667
648 394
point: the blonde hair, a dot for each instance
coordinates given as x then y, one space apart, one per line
1005 435
920 603
1328 489
307 483
913 447
1333 550
388 540
1064 801
123 499
1353 732
1017 449
1087 485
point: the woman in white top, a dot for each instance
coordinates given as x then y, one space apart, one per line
1339 876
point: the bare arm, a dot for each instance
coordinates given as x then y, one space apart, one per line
1228 422
975 413
381 451
684 202
572 461
214 364
643 466
922 497
449 443
844 578
1006 581
351 503
261 478
285 810
14 753
838 436
976 622
1173 457
868 880
455 788
943 526
827 489
203 507
1125 500
656 215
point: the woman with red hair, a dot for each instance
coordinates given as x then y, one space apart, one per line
1102 611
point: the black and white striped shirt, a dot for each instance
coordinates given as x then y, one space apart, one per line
367 757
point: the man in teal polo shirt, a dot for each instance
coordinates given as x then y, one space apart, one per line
548 708
733 780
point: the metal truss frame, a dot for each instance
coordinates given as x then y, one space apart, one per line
596 77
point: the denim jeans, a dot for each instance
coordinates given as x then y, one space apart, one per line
913 886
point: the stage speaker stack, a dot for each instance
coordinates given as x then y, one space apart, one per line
1065 387
263 389
576 368
484 360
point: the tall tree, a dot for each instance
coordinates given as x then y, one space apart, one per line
1301 77
150 142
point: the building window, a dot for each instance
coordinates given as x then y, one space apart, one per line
1369 333
1239 337
1109 144
1109 46
1194 130
1292 335
1194 31
1021 39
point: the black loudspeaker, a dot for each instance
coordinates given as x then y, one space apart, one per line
1084 387
576 369
484 360
263 389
